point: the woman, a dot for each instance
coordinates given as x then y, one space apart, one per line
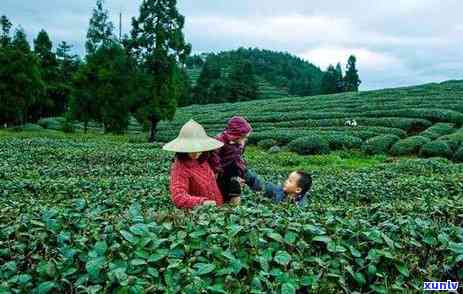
192 181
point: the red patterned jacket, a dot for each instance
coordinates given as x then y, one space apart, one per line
192 183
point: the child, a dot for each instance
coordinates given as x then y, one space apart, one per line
294 188
227 162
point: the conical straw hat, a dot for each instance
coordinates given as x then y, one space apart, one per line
192 138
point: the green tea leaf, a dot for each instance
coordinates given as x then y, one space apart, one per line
204 268
288 288
324 239
282 257
158 255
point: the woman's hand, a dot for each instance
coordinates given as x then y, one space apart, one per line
209 202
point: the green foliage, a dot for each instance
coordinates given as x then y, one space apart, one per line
436 149
352 80
242 82
458 157
329 83
158 48
432 110
53 123
454 140
309 145
409 146
97 218
437 130
20 81
270 75
267 143
100 31
379 144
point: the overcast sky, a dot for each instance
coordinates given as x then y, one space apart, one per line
397 43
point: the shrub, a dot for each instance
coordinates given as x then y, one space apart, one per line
309 145
31 127
68 127
409 146
454 140
379 144
458 156
436 149
52 123
267 143
438 130
339 141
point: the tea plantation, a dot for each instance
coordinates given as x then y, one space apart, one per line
88 214
424 121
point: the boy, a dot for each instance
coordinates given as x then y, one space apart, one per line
294 188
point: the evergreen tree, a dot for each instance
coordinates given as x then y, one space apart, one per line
352 79
243 83
211 72
158 44
328 84
68 65
82 105
185 97
5 31
102 86
339 79
20 82
100 29
52 103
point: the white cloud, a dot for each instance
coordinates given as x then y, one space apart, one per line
366 59
287 28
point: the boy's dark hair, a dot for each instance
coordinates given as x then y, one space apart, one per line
305 181
180 156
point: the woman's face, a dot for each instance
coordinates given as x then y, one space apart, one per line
243 139
194 155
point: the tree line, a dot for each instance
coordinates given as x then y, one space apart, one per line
142 74
233 75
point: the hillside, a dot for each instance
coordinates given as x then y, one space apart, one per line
425 120
274 74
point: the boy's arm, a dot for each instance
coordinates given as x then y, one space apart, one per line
253 182
269 190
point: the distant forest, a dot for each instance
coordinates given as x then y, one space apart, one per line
234 76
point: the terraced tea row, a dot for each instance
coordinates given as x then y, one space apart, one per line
433 111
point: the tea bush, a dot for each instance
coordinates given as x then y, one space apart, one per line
409 146
438 130
52 123
267 143
458 157
310 145
379 144
91 214
436 149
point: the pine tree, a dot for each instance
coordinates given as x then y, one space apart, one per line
328 84
68 65
100 30
5 31
352 79
52 103
20 82
158 45
339 79
102 86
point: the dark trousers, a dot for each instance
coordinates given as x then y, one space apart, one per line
228 183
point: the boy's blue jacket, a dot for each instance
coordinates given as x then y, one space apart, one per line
272 191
